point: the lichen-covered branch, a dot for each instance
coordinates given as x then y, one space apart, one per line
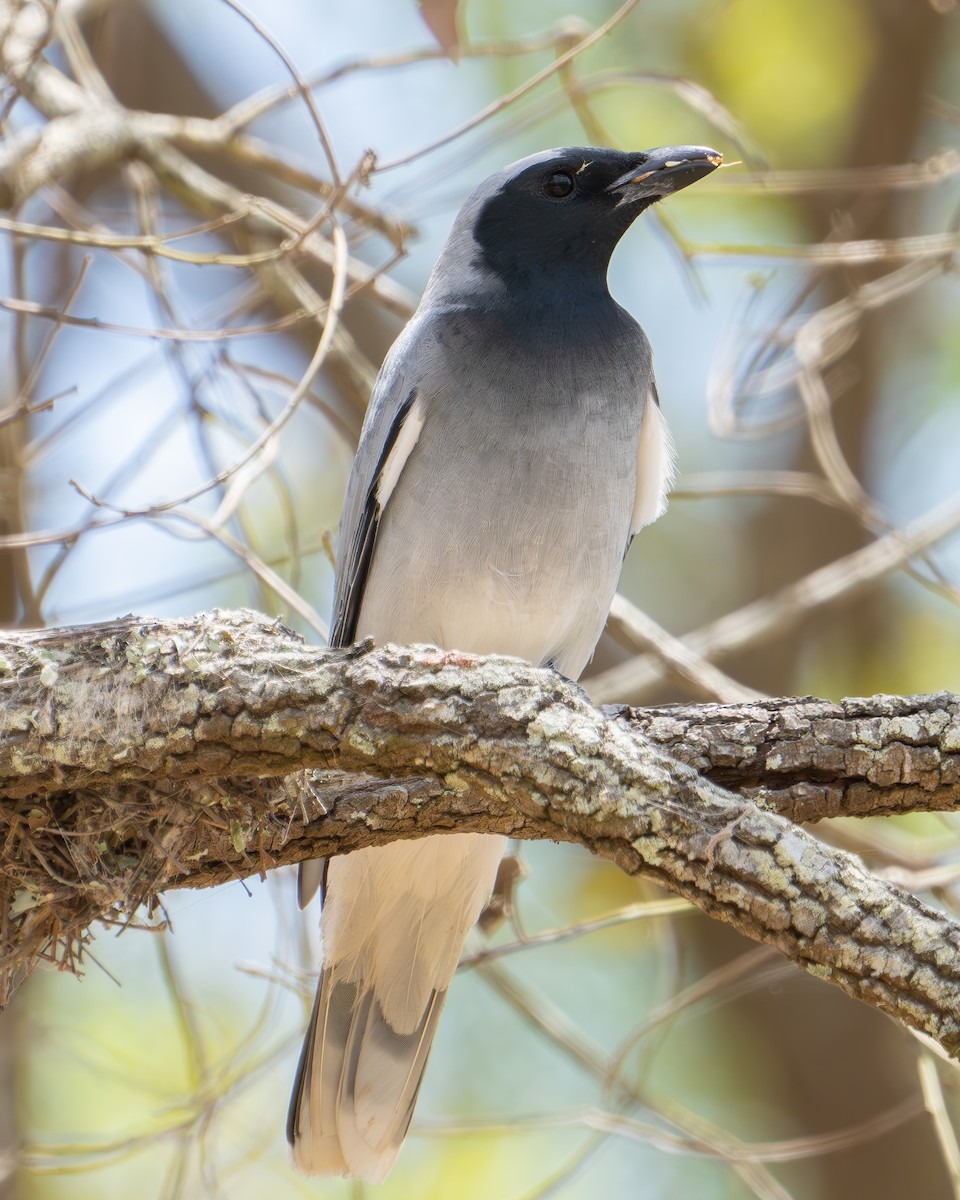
223 698
145 754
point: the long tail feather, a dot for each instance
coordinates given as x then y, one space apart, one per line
397 920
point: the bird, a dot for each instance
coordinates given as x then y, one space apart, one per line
513 445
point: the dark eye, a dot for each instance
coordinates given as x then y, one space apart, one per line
558 184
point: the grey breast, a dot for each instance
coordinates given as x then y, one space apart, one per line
519 491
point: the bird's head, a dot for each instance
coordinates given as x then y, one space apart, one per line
569 207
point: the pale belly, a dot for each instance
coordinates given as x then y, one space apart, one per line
541 594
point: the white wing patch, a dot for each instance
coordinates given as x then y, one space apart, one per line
656 466
402 448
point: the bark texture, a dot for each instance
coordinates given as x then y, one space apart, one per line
810 759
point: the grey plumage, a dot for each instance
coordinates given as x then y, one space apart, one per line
513 446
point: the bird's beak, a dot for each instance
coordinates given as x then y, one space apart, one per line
668 169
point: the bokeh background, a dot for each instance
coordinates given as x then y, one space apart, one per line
803 309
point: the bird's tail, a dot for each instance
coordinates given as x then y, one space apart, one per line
395 920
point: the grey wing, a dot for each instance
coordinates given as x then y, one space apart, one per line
390 432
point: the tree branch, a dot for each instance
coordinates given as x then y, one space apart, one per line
145 754
810 759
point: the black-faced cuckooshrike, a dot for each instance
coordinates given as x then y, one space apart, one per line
513 446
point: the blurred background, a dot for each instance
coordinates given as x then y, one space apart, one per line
190 330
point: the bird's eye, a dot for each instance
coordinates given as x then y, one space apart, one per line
558 184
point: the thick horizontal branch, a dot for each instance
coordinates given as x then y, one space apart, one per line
128 753
806 758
